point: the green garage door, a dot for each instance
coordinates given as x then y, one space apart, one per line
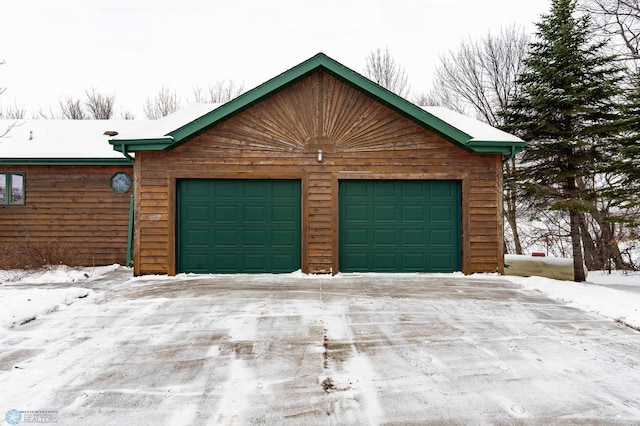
399 226
238 226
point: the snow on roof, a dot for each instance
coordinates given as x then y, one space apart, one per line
160 128
33 139
476 129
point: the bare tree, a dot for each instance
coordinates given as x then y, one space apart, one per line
71 109
480 79
383 69
16 113
619 21
2 89
99 106
220 92
441 98
41 114
126 115
163 104
482 75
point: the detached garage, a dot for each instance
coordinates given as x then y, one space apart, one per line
322 170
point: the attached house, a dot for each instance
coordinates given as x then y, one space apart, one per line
64 190
317 169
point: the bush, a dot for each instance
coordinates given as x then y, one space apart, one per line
31 255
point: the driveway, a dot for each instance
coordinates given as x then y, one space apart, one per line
355 349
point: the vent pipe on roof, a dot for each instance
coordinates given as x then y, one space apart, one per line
110 133
30 135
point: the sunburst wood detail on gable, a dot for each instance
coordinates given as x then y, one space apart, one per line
319 112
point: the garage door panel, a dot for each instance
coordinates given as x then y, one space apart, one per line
413 237
384 237
442 213
442 189
355 237
385 213
223 189
282 238
359 261
357 213
384 189
441 238
414 261
254 238
197 237
413 213
227 214
197 214
385 262
283 214
281 262
239 226
399 226
413 189
254 214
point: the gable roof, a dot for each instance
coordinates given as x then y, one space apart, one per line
471 135
71 142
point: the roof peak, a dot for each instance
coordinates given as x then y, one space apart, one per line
164 138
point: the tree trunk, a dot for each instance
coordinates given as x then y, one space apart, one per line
609 244
591 254
578 261
576 240
510 203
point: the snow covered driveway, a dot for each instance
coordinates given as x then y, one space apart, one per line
357 349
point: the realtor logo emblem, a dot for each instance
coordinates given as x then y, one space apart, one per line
13 417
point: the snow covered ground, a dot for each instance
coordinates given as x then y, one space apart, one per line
95 346
604 293
614 295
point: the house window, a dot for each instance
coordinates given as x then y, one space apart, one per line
11 188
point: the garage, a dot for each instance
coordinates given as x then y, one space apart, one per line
399 226
319 170
238 226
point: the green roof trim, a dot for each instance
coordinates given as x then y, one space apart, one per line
511 147
133 145
346 75
66 161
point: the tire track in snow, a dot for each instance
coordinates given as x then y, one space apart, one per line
349 376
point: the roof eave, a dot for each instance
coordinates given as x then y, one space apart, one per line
136 145
496 147
66 161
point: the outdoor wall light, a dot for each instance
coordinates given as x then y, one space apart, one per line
319 155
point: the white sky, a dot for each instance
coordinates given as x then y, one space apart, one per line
131 48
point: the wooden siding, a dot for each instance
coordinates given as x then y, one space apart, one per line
279 138
72 207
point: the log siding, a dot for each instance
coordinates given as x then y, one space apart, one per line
72 208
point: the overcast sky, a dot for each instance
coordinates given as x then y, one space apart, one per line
131 48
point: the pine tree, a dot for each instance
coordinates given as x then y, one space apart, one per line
625 149
565 107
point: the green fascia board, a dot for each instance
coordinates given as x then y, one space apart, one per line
511 147
289 77
66 161
132 145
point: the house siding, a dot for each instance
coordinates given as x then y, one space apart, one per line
72 209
